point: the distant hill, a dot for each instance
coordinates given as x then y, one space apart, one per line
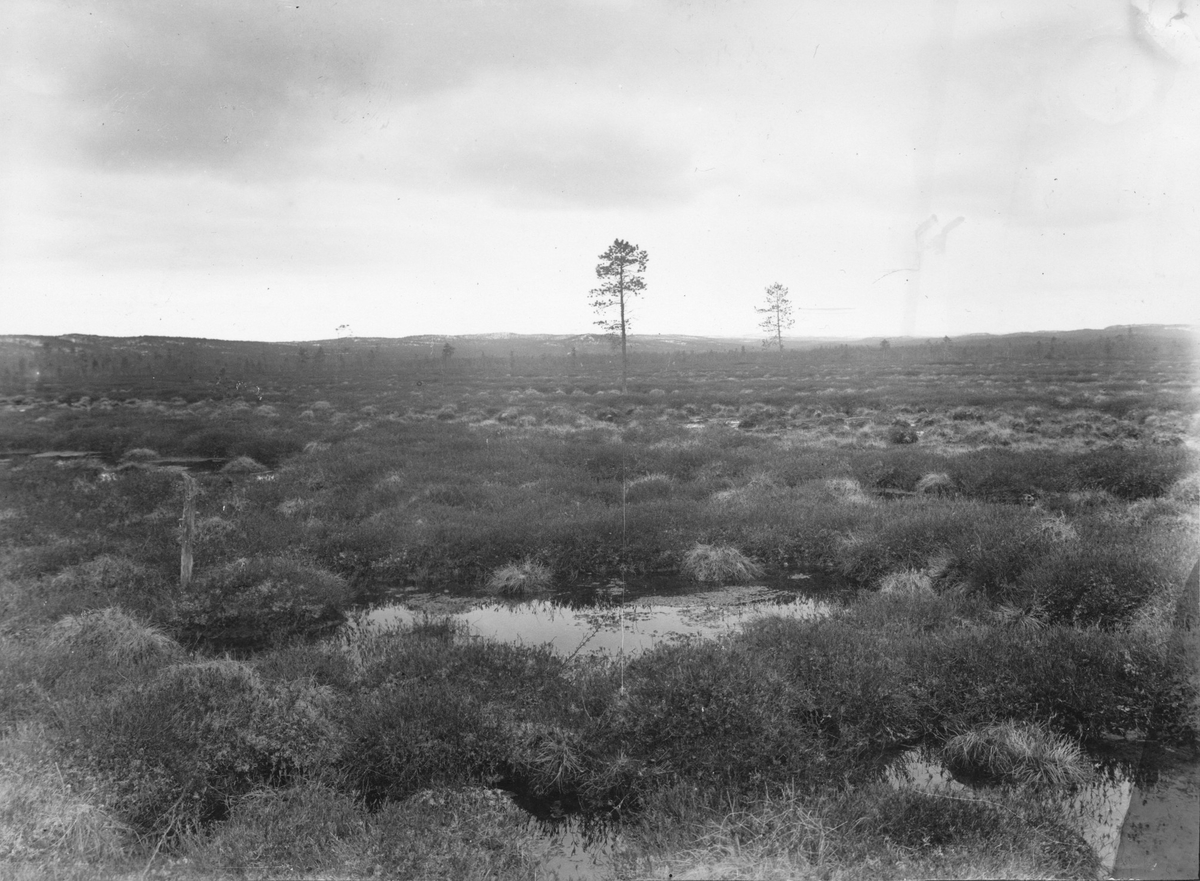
76 362
524 344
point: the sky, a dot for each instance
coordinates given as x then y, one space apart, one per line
259 169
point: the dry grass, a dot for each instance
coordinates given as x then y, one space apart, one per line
516 579
936 483
907 581
719 564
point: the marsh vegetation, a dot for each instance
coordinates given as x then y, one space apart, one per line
1009 539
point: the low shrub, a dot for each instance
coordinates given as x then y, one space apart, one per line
103 581
411 735
306 827
710 713
1095 582
45 822
261 601
325 663
1137 472
719 564
473 834
180 749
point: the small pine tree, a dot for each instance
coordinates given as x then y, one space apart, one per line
778 309
620 273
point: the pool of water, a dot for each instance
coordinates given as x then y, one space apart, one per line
609 619
572 853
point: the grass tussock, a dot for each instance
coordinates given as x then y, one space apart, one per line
719 564
110 636
517 579
907 581
1024 754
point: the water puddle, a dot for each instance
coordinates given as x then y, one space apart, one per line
608 620
571 853
1160 837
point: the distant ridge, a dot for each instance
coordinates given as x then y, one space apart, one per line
502 343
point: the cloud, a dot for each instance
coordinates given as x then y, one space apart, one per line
593 166
231 85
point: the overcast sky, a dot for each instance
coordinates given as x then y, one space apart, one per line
259 169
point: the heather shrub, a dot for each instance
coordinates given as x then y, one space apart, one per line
324 663
1137 472
472 834
261 600
904 534
1095 582
48 826
893 669
710 713
179 749
307 827
52 554
410 735
107 580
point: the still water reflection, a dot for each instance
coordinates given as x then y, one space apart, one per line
611 624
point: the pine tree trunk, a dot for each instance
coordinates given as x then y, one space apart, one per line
624 357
